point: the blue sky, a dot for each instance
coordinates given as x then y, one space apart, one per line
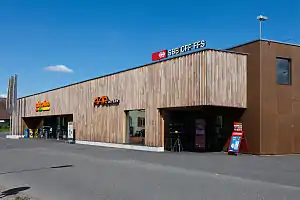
94 38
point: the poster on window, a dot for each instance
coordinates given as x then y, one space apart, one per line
70 131
200 133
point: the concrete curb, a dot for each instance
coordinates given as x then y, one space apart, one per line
121 146
14 136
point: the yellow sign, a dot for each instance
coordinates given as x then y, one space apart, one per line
42 106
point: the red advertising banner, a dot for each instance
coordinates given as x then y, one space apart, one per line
159 55
238 142
237 127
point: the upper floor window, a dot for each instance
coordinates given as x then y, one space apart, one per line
283 71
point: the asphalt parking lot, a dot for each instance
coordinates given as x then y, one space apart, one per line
53 170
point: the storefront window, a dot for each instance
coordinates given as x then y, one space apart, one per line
135 127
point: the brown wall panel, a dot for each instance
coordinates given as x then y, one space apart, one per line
203 78
280 107
280 103
251 117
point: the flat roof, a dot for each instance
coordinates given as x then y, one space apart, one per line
264 40
129 69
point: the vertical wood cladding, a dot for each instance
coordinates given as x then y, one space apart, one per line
226 80
208 77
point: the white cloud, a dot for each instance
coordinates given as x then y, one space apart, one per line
59 68
3 95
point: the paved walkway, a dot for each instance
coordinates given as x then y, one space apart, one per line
64 171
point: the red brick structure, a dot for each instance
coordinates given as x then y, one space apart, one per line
4 115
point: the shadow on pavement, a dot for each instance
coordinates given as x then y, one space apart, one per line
13 191
37 169
3 134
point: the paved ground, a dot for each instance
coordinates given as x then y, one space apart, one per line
59 171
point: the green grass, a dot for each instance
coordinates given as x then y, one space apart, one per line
21 198
4 129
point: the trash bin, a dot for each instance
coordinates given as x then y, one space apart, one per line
26 133
45 132
40 133
35 133
30 133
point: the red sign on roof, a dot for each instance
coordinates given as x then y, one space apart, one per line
159 55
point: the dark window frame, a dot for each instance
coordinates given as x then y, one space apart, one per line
130 120
141 122
289 71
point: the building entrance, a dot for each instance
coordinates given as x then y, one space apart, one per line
135 127
48 127
198 129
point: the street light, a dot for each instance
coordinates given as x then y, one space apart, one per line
261 18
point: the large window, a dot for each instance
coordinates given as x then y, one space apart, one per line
135 130
283 71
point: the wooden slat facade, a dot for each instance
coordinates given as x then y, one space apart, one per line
208 77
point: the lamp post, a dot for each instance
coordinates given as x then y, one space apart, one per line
260 18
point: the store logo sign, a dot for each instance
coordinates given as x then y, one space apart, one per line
42 106
187 47
159 55
178 50
105 101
